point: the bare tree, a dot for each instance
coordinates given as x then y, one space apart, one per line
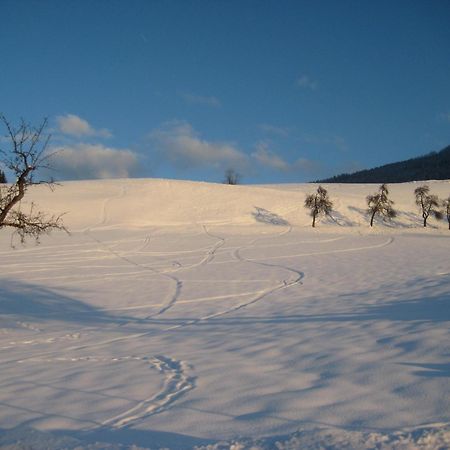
26 155
232 177
446 205
428 203
380 204
318 203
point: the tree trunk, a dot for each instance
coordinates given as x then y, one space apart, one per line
314 212
21 184
371 219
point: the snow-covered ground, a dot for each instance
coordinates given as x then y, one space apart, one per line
181 314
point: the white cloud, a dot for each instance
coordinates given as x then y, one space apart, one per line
267 158
180 144
306 82
87 161
201 100
74 125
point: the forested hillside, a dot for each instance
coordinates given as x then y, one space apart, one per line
434 166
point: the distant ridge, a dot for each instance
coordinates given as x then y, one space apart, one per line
434 166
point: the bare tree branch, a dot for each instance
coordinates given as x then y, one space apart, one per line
25 157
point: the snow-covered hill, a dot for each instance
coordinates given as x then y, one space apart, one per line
158 202
181 314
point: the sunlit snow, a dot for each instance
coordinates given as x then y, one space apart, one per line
181 314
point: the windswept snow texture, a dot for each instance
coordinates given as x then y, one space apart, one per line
181 314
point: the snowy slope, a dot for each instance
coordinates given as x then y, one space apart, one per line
154 202
179 314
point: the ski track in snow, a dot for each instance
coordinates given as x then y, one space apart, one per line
178 283
168 273
259 295
209 255
177 382
208 258
104 214
132 257
389 241
38 341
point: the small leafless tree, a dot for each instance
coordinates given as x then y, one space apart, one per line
26 155
232 177
446 205
380 204
318 203
428 203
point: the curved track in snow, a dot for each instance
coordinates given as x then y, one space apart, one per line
177 382
177 378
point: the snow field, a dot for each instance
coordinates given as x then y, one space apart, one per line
217 312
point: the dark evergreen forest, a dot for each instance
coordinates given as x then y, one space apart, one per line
434 166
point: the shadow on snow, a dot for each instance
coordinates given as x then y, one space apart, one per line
25 301
264 216
25 437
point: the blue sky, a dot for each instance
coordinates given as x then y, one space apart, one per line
281 91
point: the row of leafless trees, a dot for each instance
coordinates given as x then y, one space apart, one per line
379 204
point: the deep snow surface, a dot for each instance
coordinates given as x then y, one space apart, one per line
180 314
